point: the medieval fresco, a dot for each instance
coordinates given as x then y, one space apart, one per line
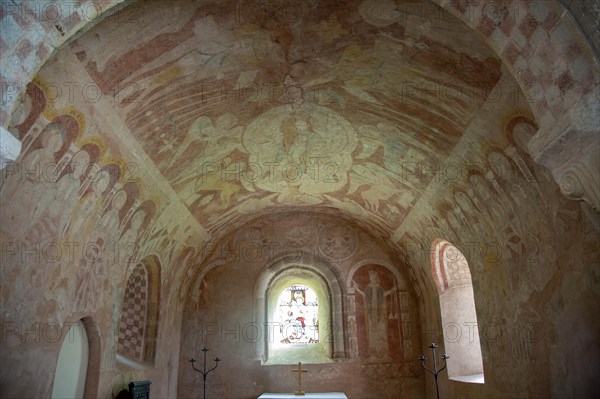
519 253
87 220
377 314
235 135
223 139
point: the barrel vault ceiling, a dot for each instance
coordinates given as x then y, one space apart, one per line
247 109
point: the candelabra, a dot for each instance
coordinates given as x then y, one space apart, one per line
435 371
204 372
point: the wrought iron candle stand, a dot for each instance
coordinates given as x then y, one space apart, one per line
204 372
435 371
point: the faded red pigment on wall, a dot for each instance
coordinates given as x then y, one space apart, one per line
123 177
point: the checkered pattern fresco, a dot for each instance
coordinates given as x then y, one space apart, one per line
539 41
542 46
132 326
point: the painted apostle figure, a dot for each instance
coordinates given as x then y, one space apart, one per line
376 317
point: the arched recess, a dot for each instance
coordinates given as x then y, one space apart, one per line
322 278
377 291
78 365
460 328
138 324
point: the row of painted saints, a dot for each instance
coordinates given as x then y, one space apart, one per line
509 178
488 206
75 202
78 181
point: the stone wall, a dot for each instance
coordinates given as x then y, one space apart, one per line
221 312
86 202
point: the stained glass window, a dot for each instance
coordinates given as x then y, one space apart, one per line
298 309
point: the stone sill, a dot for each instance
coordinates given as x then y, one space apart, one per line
124 363
292 354
473 379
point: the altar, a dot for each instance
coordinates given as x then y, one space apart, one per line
324 395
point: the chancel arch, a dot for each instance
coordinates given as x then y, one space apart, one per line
315 273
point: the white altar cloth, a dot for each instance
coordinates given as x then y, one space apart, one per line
308 395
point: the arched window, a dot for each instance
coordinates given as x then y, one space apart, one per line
138 325
313 332
459 318
77 369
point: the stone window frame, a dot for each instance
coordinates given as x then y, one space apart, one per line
303 263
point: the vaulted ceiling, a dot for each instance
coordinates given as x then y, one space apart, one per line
379 112
267 122
251 108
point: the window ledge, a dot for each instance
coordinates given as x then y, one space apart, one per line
124 363
307 354
473 379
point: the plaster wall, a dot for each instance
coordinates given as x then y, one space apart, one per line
68 245
221 312
533 257
534 254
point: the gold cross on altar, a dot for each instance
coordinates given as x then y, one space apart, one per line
299 392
